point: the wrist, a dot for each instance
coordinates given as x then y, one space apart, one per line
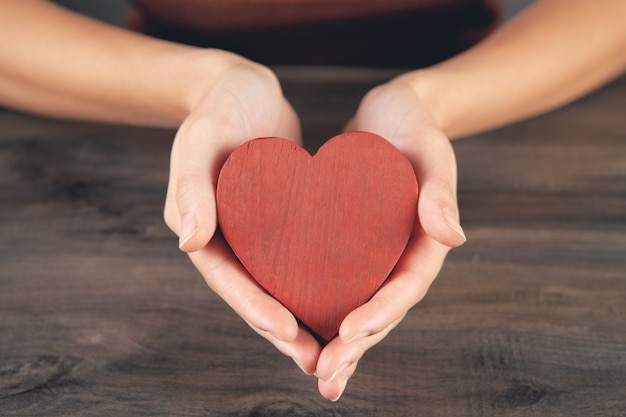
201 70
436 97
184 75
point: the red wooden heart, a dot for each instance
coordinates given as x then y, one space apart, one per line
321 234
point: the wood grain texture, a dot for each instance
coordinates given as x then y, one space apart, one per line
320 233
101 315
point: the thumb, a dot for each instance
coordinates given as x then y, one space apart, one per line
438 213
437 206
196 162
195 198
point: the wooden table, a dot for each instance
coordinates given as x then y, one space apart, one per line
101 315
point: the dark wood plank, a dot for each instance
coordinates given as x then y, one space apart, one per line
100 314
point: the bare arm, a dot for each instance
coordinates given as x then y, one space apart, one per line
552 53
58 63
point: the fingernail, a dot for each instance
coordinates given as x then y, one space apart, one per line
341 390
187 228
338 371
453 223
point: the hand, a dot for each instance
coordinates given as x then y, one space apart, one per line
395 112
242 102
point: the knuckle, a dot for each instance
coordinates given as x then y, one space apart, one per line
444 187
186 188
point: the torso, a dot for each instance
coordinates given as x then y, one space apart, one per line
354 32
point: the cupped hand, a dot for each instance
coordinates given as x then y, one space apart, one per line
240 102
395 112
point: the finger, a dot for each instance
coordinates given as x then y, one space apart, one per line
395 112
201 147
202 150
304 349
338 361
333 390
338 355
407 285
246 103
263 313
434 162
372 322
242 293
432 157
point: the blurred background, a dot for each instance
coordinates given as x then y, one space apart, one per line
113 11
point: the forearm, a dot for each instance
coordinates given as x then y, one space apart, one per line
61 64
552 53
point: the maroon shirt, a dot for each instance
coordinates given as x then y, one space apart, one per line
399 33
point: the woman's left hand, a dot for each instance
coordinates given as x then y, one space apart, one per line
395 112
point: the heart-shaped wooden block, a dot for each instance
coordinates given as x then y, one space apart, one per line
322 233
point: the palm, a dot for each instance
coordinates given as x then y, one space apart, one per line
394 112
246 103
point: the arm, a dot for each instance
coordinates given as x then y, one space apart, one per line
65 65
60 64
553 53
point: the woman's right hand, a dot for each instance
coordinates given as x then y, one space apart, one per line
243 102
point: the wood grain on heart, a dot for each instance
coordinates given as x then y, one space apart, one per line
322 233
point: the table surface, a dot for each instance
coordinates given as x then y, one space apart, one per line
100 314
